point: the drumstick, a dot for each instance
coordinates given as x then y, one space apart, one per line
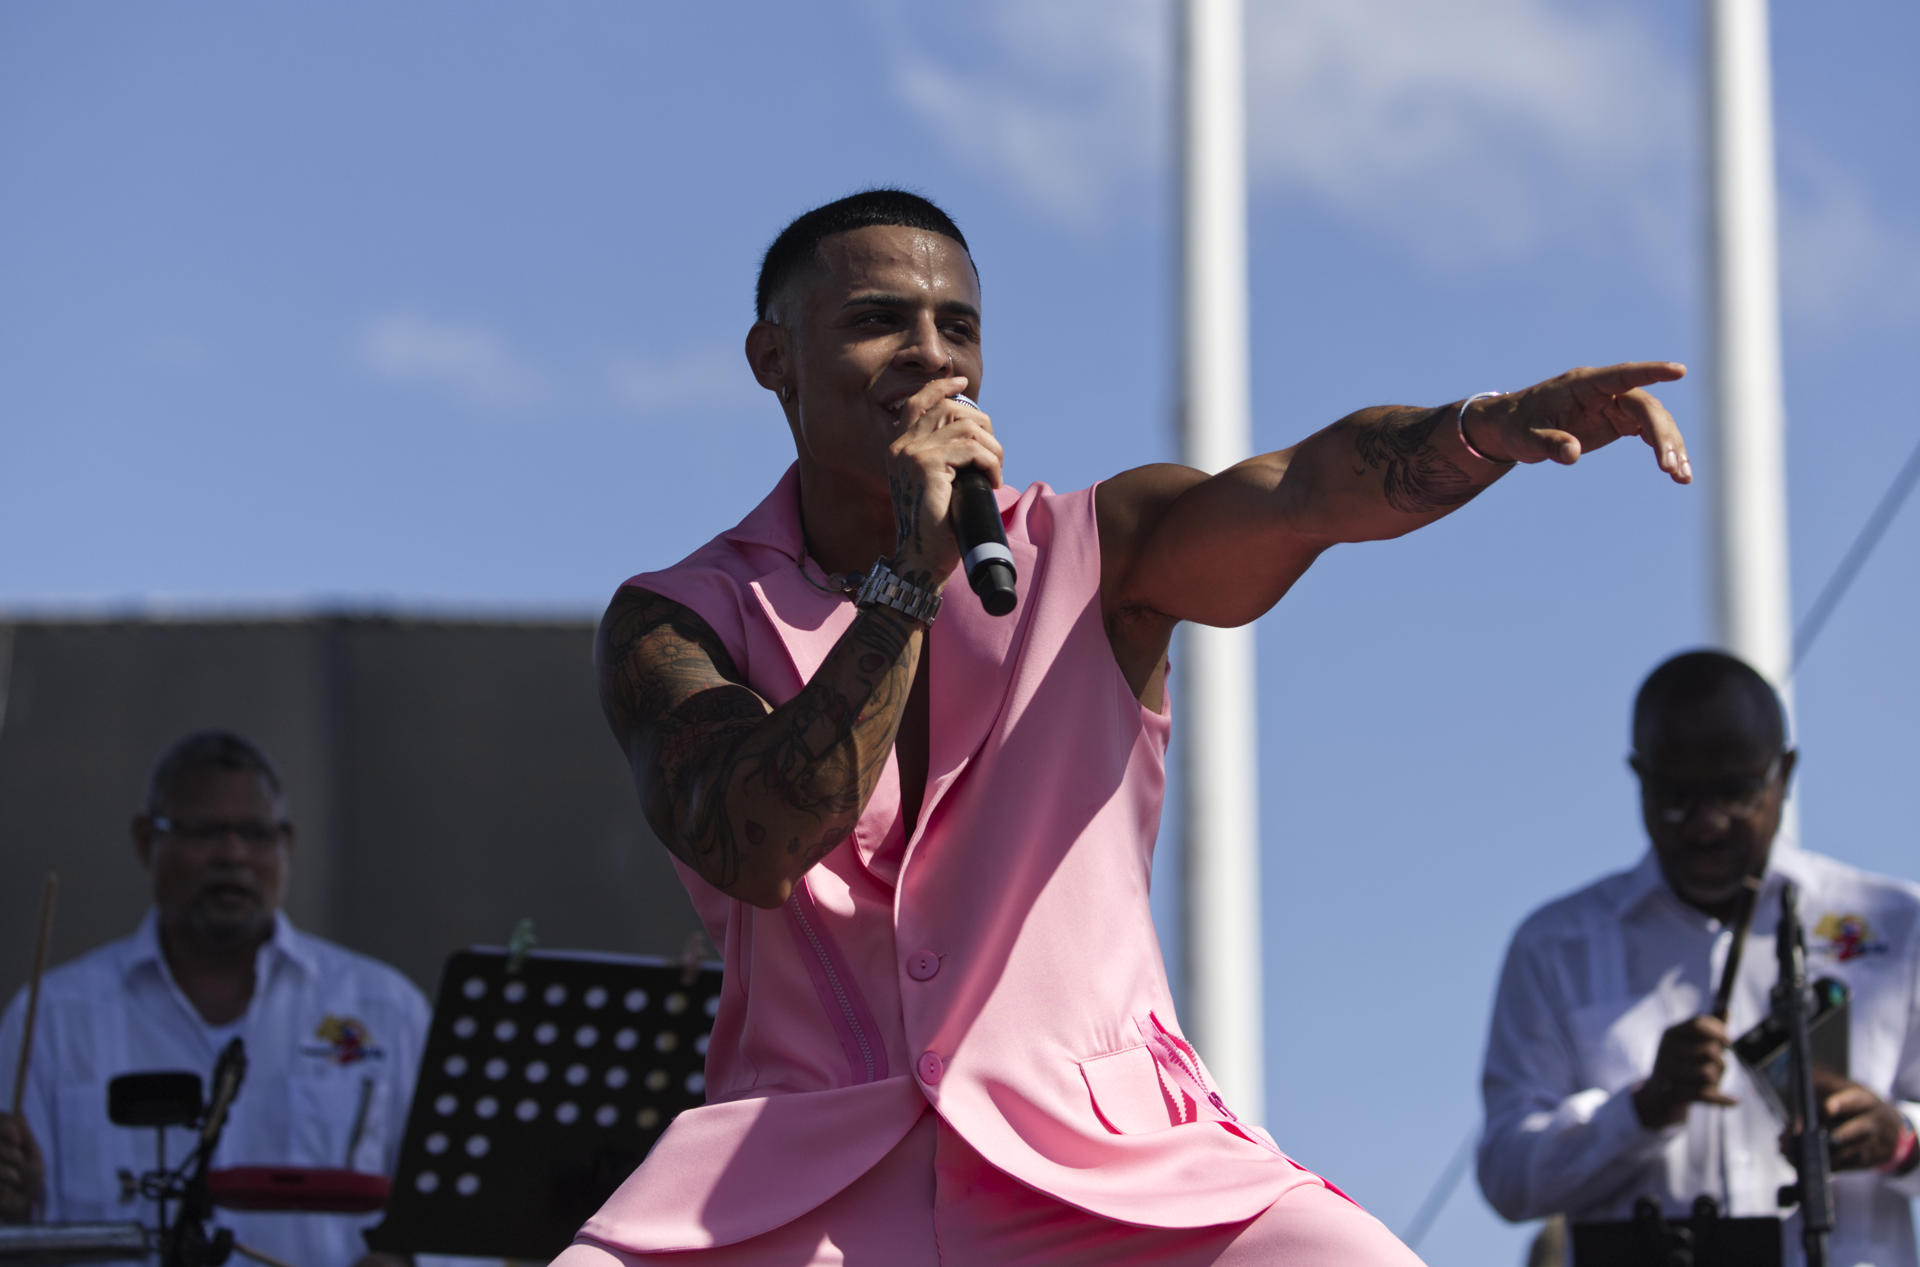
1742 920
33 987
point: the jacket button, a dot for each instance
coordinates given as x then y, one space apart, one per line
930 1068
923 965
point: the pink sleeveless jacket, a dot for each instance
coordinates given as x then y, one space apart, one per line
1000 965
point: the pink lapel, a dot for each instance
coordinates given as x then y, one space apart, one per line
972 655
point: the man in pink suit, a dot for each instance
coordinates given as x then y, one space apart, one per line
922 835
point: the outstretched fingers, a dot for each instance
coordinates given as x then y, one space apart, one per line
1617 393
1652 423
1616 380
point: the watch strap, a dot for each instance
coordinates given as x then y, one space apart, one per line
883 587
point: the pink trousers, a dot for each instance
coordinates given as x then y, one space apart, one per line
935 1202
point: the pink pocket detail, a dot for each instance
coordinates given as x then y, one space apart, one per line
1127 1092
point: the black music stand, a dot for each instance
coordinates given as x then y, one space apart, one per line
546 1078
1706 1239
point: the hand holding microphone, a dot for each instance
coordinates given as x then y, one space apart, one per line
983 542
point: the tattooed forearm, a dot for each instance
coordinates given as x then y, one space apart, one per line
1416 478
747 796
906 518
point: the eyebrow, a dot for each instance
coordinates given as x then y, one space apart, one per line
882 299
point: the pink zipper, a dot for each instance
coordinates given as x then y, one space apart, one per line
840 999
1177 1058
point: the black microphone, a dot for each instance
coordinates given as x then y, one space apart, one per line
227 1075
983 542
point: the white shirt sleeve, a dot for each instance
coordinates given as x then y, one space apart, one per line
1906 1078
1549 1144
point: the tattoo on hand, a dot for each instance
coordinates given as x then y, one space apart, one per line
1416 477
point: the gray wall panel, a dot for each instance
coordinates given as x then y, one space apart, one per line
448 778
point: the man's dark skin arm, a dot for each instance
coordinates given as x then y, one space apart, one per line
23 1174
747 795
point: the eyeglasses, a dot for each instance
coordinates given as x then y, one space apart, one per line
252 832
1675 800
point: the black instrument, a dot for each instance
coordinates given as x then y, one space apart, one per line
168 1099
1793 1008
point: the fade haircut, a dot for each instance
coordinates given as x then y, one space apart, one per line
208 750
1695 679
868 209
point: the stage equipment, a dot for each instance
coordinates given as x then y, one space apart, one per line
1704 1239
1793 1010
542 1087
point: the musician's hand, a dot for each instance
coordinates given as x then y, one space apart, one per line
1686 1070
1862 1129
23 1175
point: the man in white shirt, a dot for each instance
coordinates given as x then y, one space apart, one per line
332 1038
1607 1077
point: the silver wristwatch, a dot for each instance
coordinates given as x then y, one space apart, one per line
883 588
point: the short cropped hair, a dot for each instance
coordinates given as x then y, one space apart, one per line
868 209
1694 679
208 750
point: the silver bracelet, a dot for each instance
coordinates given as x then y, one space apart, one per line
1460 425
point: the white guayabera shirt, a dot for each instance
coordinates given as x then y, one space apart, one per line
333 1042
1593 980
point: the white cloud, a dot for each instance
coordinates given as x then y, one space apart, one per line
1839 257
1468 129
473 364
1463 129
1069 106
709 380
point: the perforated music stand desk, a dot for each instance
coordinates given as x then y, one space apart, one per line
539 1092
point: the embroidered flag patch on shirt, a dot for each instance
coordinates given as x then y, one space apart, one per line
1847 936
347 1041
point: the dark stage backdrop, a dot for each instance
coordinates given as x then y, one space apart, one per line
448 777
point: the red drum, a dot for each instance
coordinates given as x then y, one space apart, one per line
311 1189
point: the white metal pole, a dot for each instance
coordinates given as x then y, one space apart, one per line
1221 918
1752 614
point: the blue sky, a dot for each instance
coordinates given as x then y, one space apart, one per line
440 305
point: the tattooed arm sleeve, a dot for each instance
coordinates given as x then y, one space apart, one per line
749 796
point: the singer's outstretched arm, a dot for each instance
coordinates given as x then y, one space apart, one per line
1179 545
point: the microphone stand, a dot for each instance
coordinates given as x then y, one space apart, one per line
188 1244
1793 1008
